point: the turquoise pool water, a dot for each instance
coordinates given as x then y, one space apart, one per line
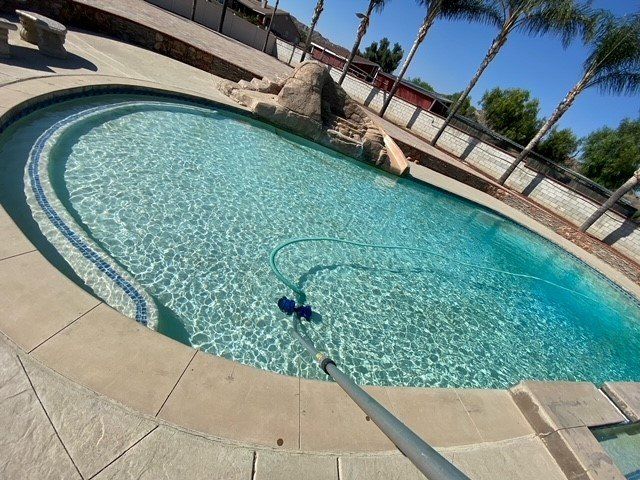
190 202
623 446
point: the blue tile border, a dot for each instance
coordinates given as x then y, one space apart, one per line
74 238
141 91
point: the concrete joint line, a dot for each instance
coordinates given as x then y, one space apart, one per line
65 327
49 418
125 451
176 384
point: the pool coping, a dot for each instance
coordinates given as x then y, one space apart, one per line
298 411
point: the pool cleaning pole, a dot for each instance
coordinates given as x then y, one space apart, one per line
432 465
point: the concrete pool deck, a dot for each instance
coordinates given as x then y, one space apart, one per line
87 392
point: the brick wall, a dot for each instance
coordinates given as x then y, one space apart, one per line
612 228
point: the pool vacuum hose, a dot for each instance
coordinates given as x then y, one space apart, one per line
433 465
428 461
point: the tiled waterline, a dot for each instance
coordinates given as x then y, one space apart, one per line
92 264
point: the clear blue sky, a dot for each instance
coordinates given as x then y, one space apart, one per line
452 51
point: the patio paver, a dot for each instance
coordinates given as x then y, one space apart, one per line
580 455
94 431
436 414
286 466
29 446
495 414
169 454
331 422
37 300
524 458
626 396
117 357
227 399
551 406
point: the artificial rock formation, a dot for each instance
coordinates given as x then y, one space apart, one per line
310 104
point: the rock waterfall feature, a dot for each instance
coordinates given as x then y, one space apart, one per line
310 104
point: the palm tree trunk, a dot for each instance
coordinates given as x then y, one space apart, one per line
273 15
422 33
225 3
560 110
316 15
496 45
362 30
615 196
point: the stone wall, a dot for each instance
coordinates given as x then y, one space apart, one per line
86 17
613 228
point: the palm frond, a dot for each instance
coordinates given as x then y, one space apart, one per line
482 11
618 83
614 62
378 5
565 19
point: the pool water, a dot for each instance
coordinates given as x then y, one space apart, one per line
622 444
190 202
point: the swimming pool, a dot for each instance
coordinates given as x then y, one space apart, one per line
186 203
622 444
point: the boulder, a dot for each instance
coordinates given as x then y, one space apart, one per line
310 104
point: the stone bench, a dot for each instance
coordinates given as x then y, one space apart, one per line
48 34
5 26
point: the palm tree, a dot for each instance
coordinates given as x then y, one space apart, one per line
273 15
564 18
613 66
378 6
316 15
479 10
615 196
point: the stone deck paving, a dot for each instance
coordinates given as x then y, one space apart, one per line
55 429
72 426
626 395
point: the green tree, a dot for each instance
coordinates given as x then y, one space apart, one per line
365 18
512 113
422 84
563 18
559 146
610 156
387 58
466 109
470 10
613 66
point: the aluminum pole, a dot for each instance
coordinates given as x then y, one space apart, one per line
426 459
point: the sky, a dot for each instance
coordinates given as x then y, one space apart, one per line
452 52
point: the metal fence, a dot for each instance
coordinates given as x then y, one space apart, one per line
543 165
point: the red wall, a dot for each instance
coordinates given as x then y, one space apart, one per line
382 81
337 62
413 96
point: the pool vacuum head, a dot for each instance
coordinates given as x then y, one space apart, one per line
289 307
